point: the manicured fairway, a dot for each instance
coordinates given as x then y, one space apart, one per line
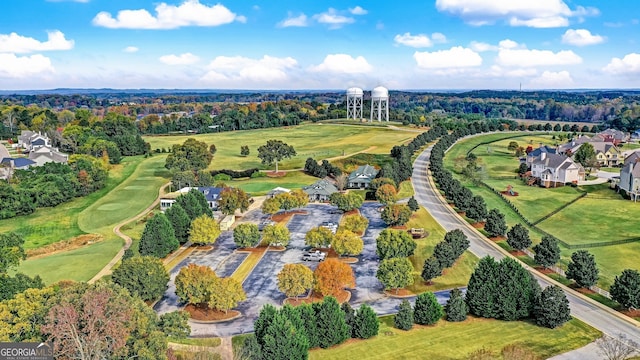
261 186
319 141
448 340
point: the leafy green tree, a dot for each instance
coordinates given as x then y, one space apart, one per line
205 209
190 203
396 214
10 286
265 318
194 284
22 316
626 289
456 308
276 235
346 242
319 237
518 237
332 327
232 199
247 348
431 269
495 225
378 182
180 222
394 243
295 280
143 276
158 238
204 230
282 341
477 210
244 150
583 269
413 204
192 150
586 155
11 251
387 194
246 235
349 315
175 324
365 323
403 320
444 252
458 241
271 206
523 168
395 273
552 308
547 253
427 310
274 151
346 202
356 223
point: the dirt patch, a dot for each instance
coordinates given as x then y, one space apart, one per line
348 260
544 270
517 253
342 297
399 293
352 212
498 238
581 290
274 174
65 245
399 227
259 249
632 313
286 216
478 225
201 313
462 213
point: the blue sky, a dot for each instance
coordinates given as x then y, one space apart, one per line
436 44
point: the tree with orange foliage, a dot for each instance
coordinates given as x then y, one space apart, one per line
332 276
387 194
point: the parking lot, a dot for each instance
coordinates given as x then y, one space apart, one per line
261 285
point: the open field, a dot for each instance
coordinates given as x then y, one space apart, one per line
294 179
456 276
449 340
319 141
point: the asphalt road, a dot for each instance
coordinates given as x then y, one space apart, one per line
592 314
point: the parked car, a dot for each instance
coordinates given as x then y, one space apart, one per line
264 223
314 256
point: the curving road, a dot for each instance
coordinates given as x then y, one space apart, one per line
600 317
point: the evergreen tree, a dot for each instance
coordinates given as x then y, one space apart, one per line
495 225
458 241
516 292
283 341
404 318
477 210
626 289
365 324
518 237
180 222
427 310
552 308
456 307
143 276
431 269
443 251
190 204
308 316
349 316
413 204
267 314
547 252
583 269
158 238
332 328
205 209
482 287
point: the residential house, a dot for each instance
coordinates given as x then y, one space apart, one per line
212 194
607 154
613 136
45 154
362 177
572 146
633 157
30 140
321 190
277 191
630 179
553 170
543 149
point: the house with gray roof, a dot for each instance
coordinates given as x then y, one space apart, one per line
630 177
212 194
31 140
536 153
554 170
361 178
321 190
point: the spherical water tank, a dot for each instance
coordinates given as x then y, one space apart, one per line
354 91
380 92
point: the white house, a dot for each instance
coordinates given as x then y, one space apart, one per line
212 194
362 177
553 170
630 176
44 154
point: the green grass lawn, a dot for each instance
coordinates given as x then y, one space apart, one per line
207 342
78 265
319 141
262 185
405 189
450 340
615 170
456 276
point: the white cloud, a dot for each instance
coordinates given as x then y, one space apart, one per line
538 13
478 46
497 71
358 11
229 69
456 57
182 59
294 21
531 58
438 38
509 44
78 1
130 49
581 37
189 13
333 19
23 66
343 63
550 79
14 43
416 41
628 65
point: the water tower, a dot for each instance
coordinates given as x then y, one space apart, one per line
354 103
379 104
